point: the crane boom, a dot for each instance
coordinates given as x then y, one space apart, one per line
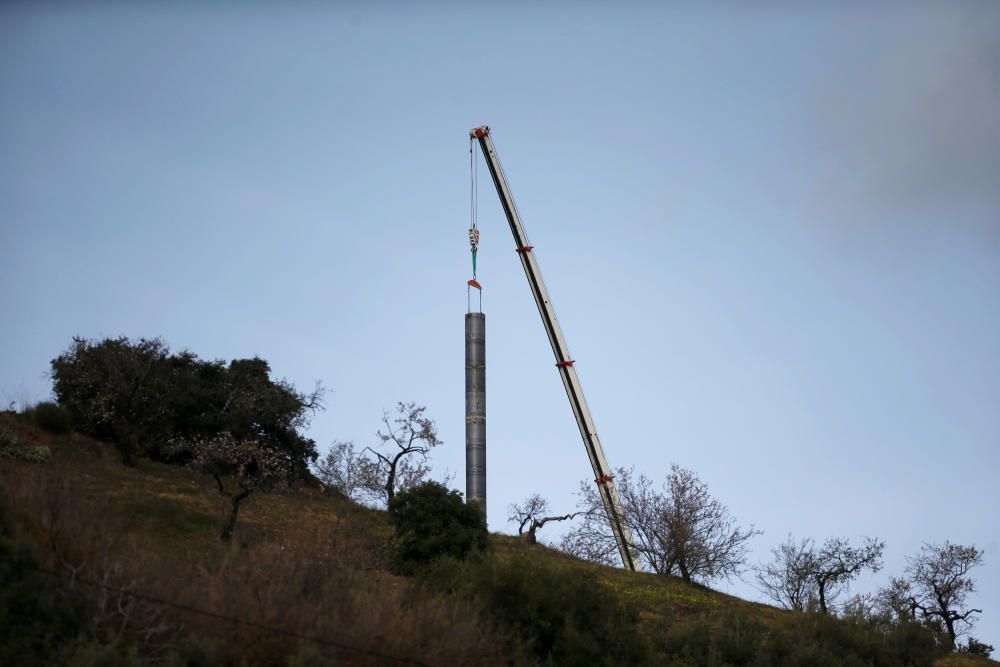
574 391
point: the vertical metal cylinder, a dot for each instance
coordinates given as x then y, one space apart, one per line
475 410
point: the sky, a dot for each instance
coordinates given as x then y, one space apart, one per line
771 235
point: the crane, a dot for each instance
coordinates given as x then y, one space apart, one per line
574 391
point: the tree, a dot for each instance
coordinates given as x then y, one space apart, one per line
248 466
531 514
431 522
939 583
113 389
271 413
786 578
145 400
406 443
897 600
837 563
349 472
800 573
680 531
374 475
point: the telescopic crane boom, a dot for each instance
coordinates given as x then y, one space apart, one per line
602 472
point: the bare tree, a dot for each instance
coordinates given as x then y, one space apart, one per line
786 578
350 472
409 436
940 582
680 531
837 563
532 514
374 475
897 600
800 573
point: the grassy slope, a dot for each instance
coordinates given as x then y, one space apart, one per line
181 510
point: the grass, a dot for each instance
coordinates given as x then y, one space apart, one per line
302 561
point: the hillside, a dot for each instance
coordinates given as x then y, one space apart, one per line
303 577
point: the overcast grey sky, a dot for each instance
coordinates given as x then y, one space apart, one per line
772 235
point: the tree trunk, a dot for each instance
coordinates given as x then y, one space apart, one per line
127 446
949 624
530 535
230 522
390 479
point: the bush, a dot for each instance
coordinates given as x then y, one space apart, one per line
311 579
52 418
977 648
432 522
12 448
813 639
145 400
560 616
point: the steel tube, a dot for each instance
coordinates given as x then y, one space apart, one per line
475 410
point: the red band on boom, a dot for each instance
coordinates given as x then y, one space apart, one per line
525 248
564 364
604 479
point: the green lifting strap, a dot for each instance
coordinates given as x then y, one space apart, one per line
473 262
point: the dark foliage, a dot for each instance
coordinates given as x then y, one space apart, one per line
146 400
432 522
559 617
51 417
978 648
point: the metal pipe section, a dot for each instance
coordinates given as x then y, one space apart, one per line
475 410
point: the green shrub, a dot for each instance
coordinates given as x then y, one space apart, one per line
559 616
52 418
144 399
809 639
978 648
740 638
8 442
432 522
13 448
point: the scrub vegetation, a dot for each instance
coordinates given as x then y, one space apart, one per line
110 552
